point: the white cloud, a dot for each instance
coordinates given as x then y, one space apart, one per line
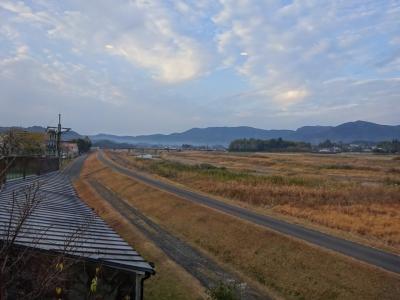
305 43
141 32
59 77
292 96
238 58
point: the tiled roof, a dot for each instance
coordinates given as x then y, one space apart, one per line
63 223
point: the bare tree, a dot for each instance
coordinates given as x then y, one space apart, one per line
10 143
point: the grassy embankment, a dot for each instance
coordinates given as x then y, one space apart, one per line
289 268
171 281
359 195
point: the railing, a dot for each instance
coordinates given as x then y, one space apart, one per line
21 166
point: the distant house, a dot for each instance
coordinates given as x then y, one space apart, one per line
145 156
69 150
325 150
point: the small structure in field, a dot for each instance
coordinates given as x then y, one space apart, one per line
145 156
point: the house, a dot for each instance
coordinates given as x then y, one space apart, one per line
61 225
69 150
145 156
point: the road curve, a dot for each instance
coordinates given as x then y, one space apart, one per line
73 170
372 256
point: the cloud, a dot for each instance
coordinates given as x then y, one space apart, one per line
292 96
56 76
140 32
183 63
300 46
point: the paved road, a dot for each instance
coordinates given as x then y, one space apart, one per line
372 256
202 267
74 168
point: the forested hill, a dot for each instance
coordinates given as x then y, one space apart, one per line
347 132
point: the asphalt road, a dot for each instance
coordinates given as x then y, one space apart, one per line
372 256
74 168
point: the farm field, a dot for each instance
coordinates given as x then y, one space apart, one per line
284 267
356 196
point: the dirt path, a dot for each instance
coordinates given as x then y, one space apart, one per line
202 267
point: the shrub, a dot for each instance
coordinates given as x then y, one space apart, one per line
224 291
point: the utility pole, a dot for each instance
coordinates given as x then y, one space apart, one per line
55 137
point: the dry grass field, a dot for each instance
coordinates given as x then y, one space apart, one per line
357 195
283 266
171 281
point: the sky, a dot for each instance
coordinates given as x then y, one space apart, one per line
147 66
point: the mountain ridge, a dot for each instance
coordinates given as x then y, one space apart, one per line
223 135
346 132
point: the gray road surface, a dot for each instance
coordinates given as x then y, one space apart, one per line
74 168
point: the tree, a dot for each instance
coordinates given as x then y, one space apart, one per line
326 144
272 145
33 143
17 142
10 143
388 147
84 144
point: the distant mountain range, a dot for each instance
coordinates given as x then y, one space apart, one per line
347 132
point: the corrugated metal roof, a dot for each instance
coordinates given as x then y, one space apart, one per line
63 223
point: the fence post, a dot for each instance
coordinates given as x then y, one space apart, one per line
24 167
2 172
39 172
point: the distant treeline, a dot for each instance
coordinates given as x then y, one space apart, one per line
273 145
388 147
107 144
83 144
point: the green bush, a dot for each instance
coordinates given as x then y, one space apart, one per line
224 291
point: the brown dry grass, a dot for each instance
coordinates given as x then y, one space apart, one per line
353 194
340 167
290 268
171 281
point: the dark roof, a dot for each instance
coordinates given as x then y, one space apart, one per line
59 217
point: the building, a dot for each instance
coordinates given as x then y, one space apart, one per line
63 225
69 150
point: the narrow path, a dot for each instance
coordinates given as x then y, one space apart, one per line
372 256
74 168
203 268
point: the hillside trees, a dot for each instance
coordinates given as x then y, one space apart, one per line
272 145
389 146
16 142
83 145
